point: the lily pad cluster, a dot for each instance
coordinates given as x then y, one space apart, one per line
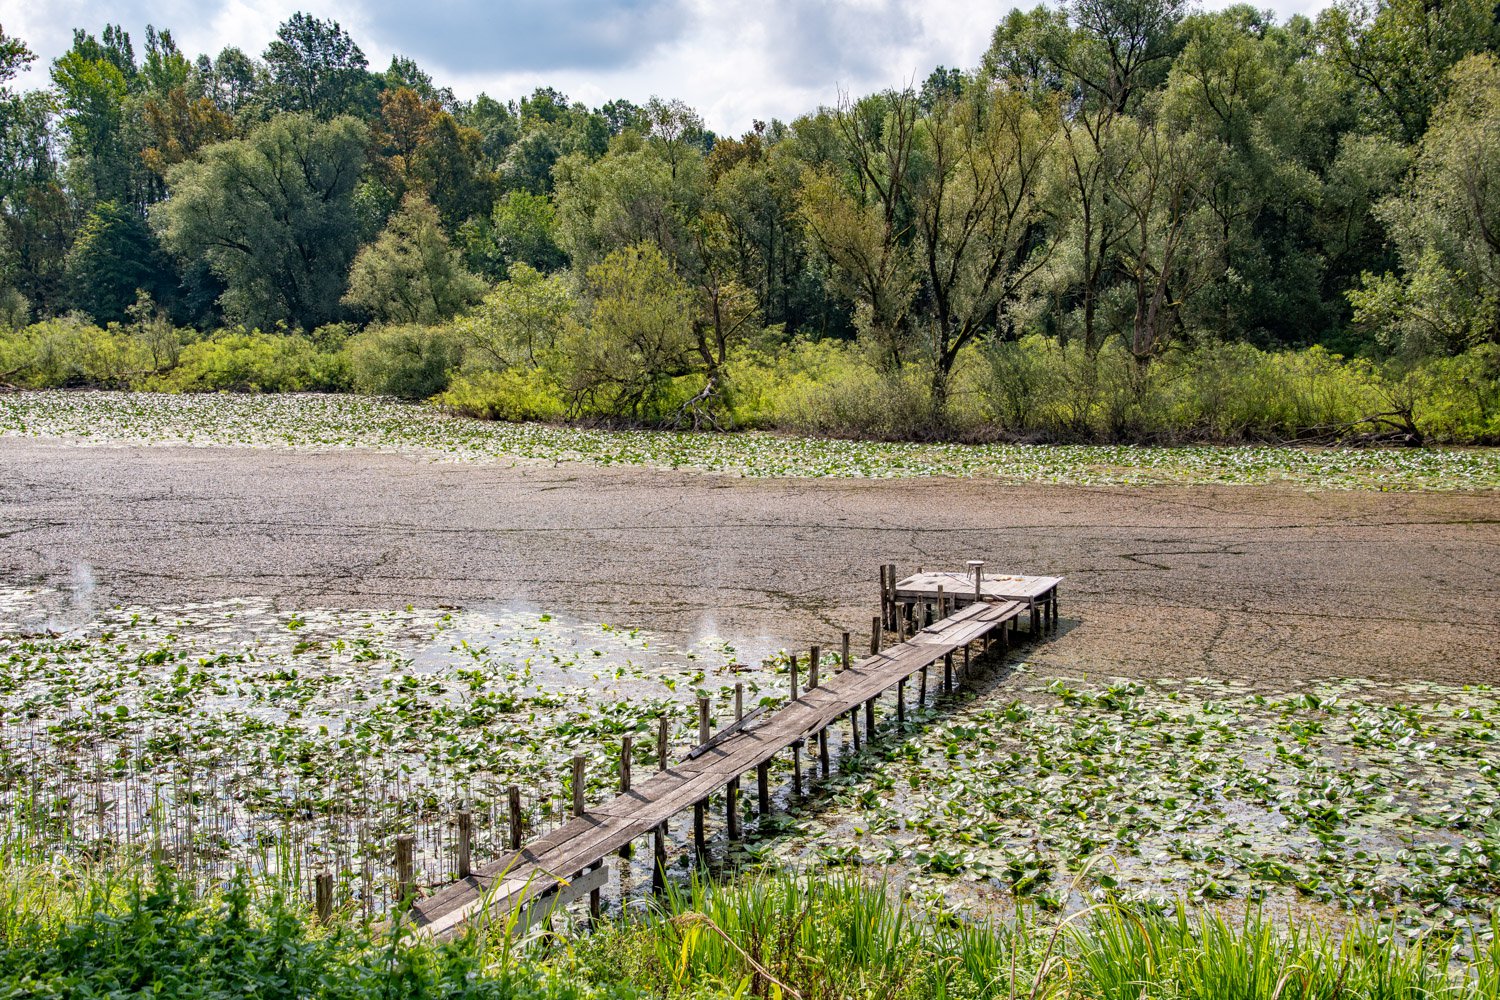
220 735
1373 798
330 422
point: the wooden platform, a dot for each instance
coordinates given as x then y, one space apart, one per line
1038 593
564 863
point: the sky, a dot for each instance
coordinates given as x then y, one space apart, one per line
733 60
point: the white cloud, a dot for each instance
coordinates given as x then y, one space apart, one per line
734 60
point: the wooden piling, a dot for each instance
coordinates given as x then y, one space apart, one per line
844 663
792 672
703 733
875 637
406 884
700 836
578 780
901 704
323 888
739 701
465 843
661 743
763 788
513 801
732 809
870 720
627 753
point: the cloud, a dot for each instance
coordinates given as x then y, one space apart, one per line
466 36
734 60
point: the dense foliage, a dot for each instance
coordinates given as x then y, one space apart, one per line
1138 184
765 937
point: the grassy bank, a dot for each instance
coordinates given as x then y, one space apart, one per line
328 422
769 936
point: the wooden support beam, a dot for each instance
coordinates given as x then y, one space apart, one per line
627 753
732 809
763 788
513 802
323 887
406 883
465 843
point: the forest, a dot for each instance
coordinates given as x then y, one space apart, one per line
1130 220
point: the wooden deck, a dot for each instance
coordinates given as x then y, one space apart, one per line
566 862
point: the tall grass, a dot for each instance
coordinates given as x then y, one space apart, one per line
140 932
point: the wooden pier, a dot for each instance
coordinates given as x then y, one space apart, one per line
529 884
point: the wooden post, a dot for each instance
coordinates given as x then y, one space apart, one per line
578 780
406 884
942 604
627 752
797 768
661 743
703 733
922 687
875 637
513 797
792 671
324 892
739 701
596 900
870 720
732 809
844 663
948 670
894 609
465 843
901 704
700 837
854 727
813 680
659 858
885 595
763 787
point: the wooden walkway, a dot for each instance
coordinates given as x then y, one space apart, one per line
568 861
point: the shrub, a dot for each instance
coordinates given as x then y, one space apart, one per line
69 352
237 361
412 362
514 394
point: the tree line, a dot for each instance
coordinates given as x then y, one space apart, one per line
1131 180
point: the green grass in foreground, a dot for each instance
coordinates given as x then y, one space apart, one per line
333 422
774 936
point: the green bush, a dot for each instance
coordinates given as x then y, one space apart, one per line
70 352
1457 400
254 362
514 394
411 362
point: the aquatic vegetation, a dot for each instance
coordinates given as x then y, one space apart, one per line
237 735
1374 798
324 422
219 735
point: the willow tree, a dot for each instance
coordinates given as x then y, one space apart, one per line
942 221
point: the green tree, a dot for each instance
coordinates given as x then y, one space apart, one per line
95 82
1398 52
114 258
272 215
314 66
522 229
1446 227
639 335
411 274
520 321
